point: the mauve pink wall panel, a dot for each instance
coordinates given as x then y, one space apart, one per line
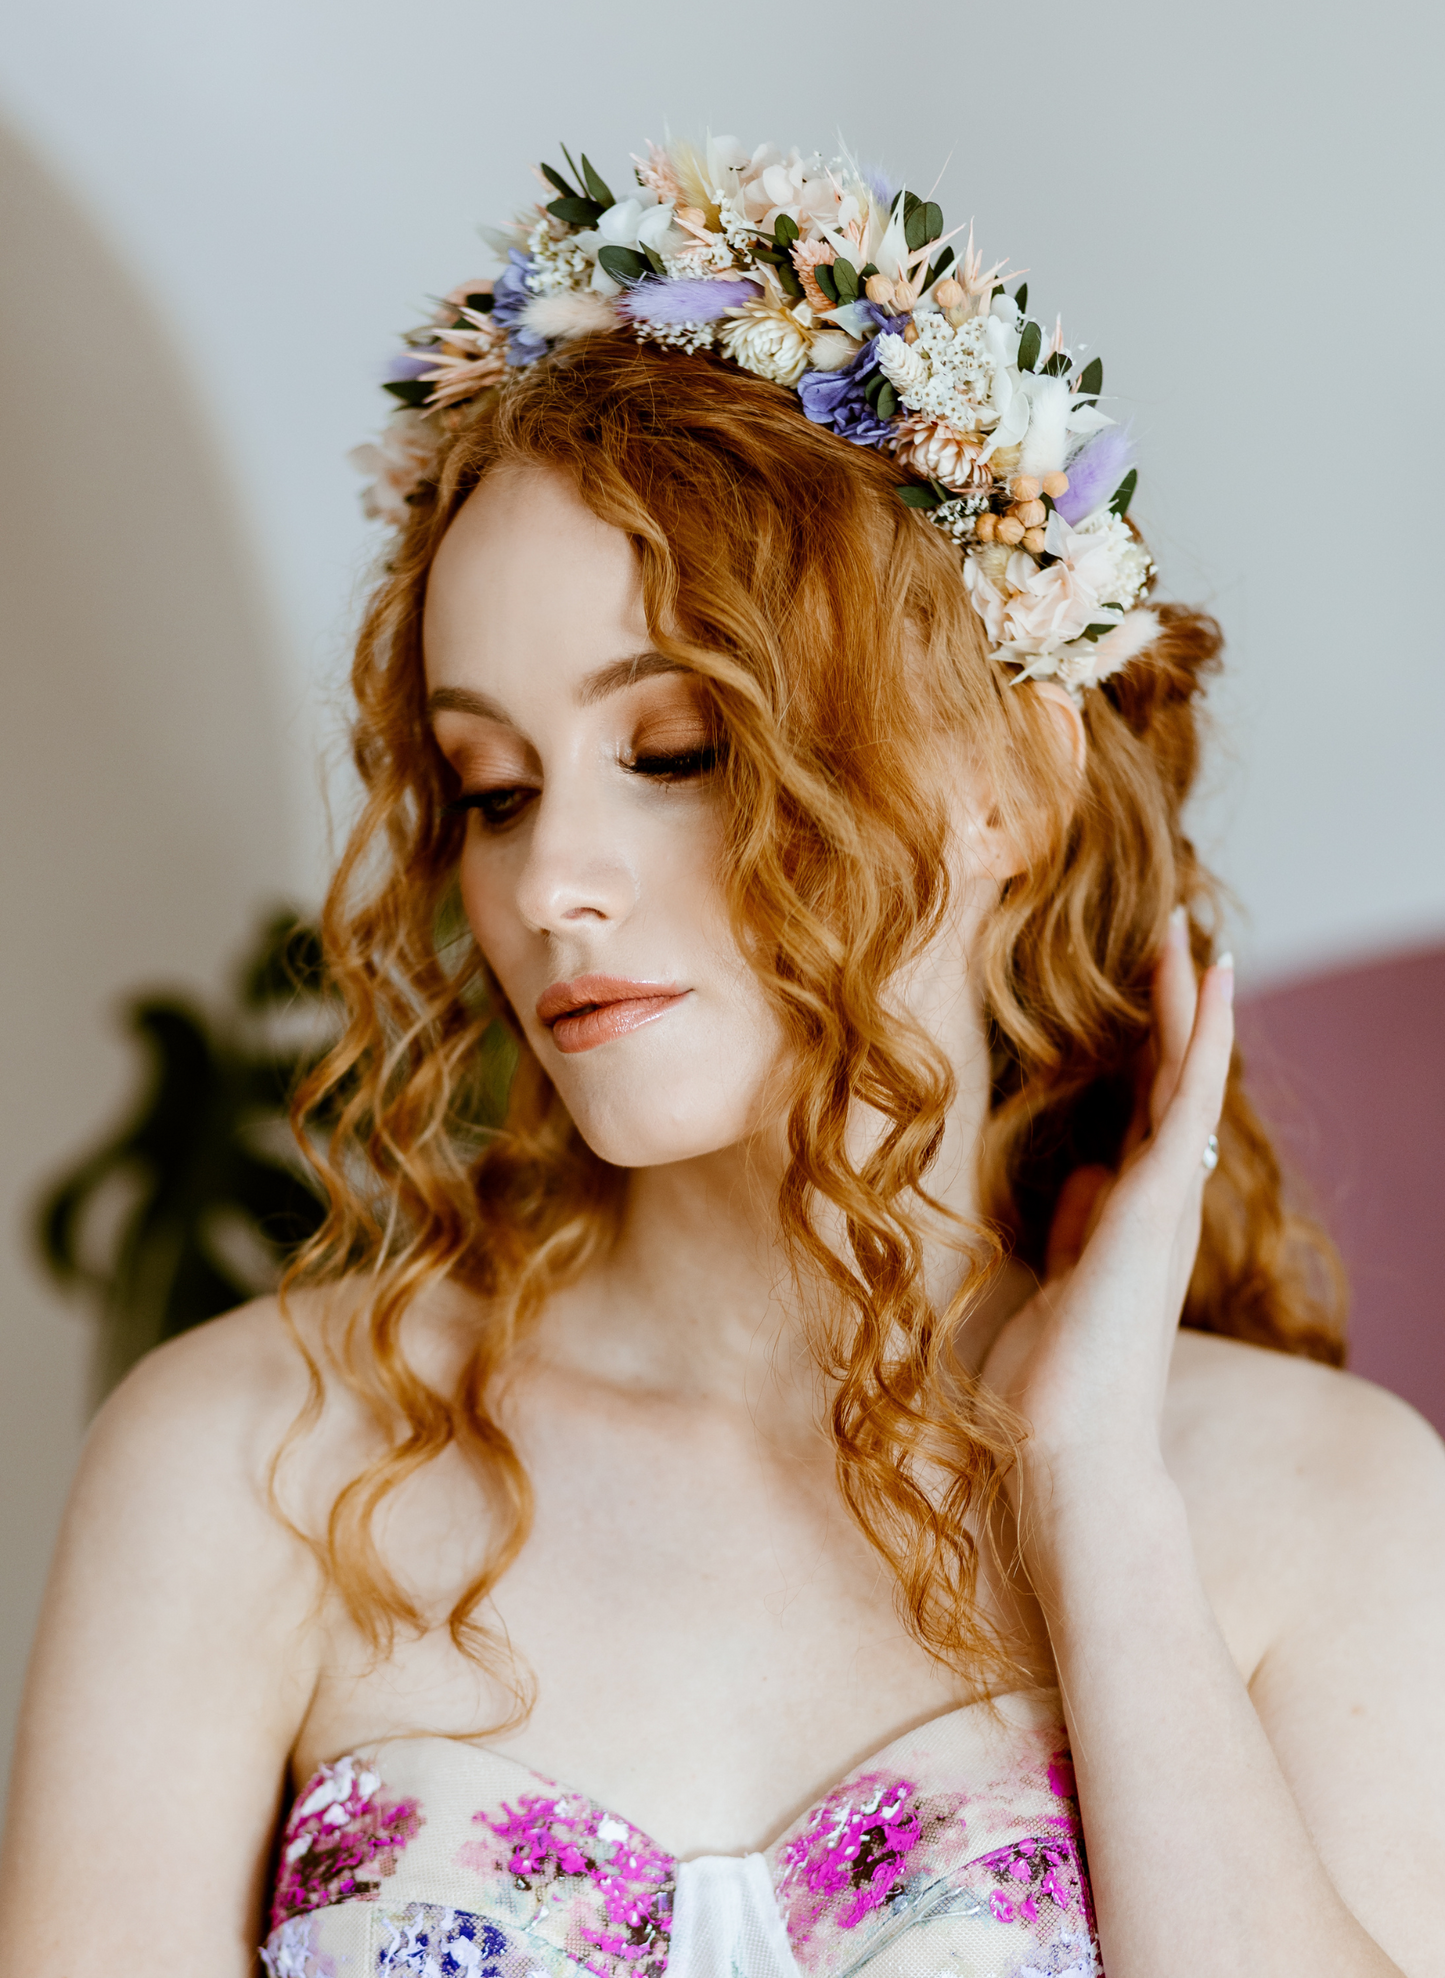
1349 1069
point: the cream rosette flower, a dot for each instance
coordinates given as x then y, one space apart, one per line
1034 613
398 464
770 183
770 337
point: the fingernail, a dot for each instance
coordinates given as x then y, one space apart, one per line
1225 965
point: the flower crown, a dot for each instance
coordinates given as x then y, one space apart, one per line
822 278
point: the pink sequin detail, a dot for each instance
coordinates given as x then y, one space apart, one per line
341 1840
619 1902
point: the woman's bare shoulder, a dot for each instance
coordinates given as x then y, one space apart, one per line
1300 1476
1279 1415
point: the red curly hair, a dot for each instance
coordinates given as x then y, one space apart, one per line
830 627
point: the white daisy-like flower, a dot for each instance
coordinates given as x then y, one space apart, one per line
769 338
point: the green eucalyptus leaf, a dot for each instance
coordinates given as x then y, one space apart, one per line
572 164
887 401
624 264
411 391
1093 633
1057 365
871 269
827 281
576 212
1030 344
1124 493
932 220
1091 379
596 185
483 305
1021 296
785 230
916 497
654 260
915 228
845 280
788 276
872 388
556 179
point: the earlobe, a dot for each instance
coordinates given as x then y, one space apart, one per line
1066 720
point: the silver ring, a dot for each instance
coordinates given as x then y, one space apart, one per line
1211 1154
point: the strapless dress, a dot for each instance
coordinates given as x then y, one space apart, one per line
956 1852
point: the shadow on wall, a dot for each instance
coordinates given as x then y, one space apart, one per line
142 813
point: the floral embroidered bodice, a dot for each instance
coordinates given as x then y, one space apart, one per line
954 1853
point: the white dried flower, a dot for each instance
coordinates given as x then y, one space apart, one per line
769 339
676 336
559 261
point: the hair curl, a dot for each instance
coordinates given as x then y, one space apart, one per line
778 564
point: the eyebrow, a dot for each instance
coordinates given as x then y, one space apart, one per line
596 686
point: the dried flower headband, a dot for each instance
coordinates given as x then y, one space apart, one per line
823 279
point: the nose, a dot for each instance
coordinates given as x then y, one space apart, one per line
577 867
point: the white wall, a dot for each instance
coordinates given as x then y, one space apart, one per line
1233 203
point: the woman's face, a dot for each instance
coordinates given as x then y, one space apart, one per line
590 868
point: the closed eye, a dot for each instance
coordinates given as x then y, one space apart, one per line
679 766
496 808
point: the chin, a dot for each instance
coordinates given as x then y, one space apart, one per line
643 1102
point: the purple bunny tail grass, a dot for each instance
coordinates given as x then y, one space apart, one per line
1094 473
659 301
877 182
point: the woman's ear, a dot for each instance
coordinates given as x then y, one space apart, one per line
1067 721
998 843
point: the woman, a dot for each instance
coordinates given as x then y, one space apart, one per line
689 1526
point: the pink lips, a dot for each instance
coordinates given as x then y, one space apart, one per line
593 1009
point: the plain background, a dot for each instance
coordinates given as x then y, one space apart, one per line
215 218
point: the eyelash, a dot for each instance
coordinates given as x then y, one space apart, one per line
499 808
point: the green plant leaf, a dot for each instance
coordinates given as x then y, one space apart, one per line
1091 379
596 186
871 269
411 391
1093 633
788 276
654 259
572 163
624 264
556 179
874 385
845 280
915 497
482 304
785 230
1021 296
576 212
1057 365
1124 493
915 228
1030 344
887 401
932 220
827 281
